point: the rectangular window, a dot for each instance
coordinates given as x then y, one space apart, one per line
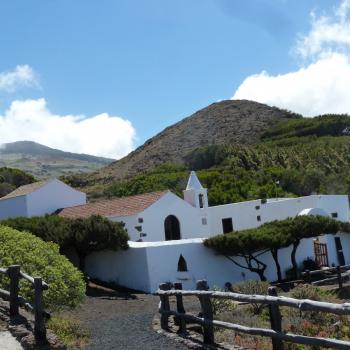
257 207
258 218
204 221
140 220
334 215
227 225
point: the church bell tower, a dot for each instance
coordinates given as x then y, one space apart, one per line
195 194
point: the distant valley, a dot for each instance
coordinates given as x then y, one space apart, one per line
44 162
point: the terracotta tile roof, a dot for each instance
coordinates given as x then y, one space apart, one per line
25 189
124 206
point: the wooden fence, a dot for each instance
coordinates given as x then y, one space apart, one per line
341 273
272 300
14 273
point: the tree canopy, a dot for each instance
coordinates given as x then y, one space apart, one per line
249 244
85 235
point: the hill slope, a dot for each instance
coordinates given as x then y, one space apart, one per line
43 161
225 122
304 155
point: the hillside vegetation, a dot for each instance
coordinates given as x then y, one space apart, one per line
224 122
43 162
304 155
10 179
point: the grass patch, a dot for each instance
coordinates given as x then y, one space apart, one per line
71 332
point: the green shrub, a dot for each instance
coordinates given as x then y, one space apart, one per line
222 305
71 332
85 235
39 258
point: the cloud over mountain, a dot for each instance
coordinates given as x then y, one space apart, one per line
321 84
101 135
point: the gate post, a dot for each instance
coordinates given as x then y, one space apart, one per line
180 321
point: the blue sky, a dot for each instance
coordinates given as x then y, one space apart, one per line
148 64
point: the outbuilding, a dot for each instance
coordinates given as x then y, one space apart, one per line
39 198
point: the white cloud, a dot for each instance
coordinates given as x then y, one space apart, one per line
320 86
101 135
21 76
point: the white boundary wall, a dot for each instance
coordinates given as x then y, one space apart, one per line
145 265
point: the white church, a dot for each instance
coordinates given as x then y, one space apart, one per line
166 231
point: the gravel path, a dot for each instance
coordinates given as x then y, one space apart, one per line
121 321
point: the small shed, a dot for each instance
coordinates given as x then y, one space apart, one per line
39 198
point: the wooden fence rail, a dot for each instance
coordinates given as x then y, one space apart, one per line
14 273
341 273
272 300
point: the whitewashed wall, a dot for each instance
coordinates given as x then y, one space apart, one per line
52 196
127 268
13 207
244 214
145 265
154 216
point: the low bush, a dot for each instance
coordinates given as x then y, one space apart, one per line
71 332
254 288
39 258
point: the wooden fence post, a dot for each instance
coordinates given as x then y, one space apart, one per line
275 320
39 326
164 305
340 281
14 274
207 311
180 321
307 276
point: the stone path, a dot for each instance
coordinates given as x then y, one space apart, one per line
121 321
8 342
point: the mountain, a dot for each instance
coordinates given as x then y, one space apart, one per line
225 122
294 157
42 161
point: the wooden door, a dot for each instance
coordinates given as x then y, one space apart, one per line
321 253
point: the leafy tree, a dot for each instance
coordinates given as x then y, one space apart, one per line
39 258
95 234
84 235
11 178
251 244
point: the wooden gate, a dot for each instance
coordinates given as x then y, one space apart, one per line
321 254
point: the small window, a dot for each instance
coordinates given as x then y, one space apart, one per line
257 207
227 225
263 201
334 215
200 198
140 220
182 265
258 218
204 221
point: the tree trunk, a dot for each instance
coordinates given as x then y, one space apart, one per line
294 261
274 253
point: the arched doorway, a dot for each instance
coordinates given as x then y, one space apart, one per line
172 228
